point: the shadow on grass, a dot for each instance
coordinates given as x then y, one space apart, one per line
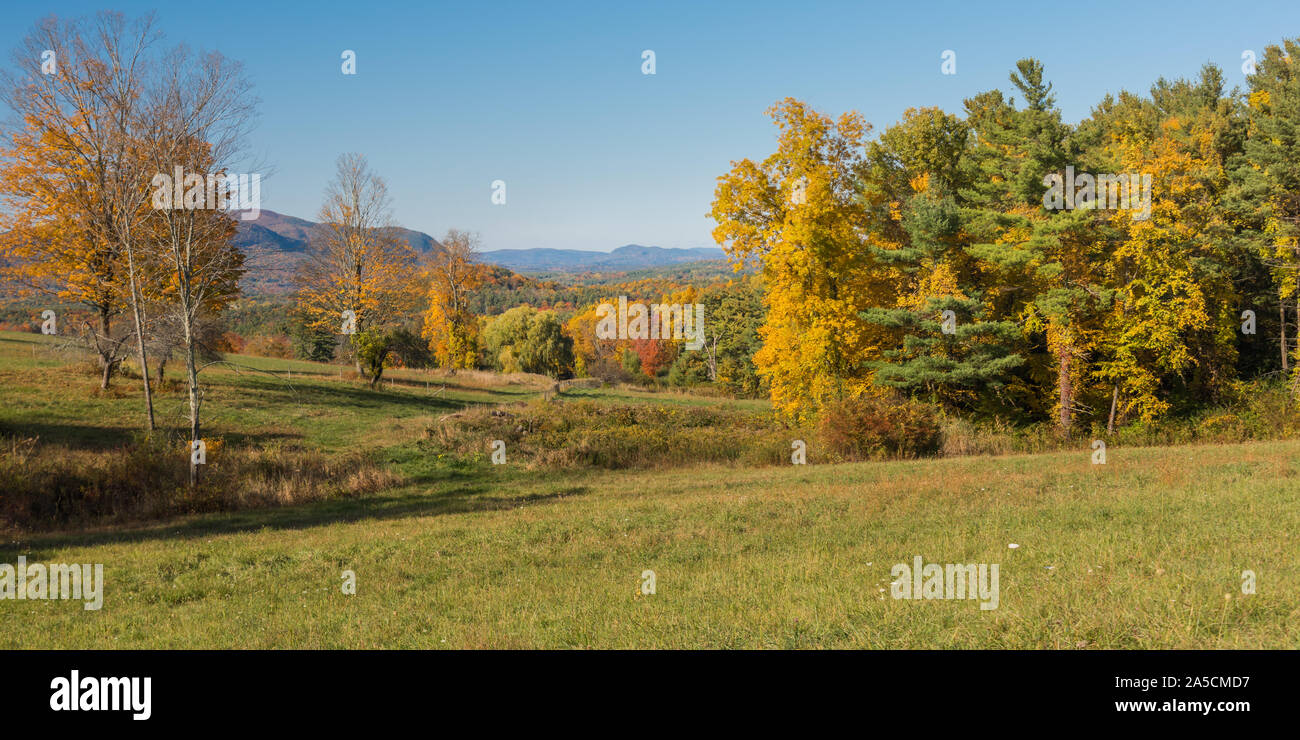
105 438
462 494
355 396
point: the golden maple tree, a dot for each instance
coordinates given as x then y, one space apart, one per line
452 274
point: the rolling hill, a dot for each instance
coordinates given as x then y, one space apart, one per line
275 244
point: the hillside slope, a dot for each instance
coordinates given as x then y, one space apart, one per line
275 244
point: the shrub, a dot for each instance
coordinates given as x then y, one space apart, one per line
999 437
230 342
276 346
870 427
372 347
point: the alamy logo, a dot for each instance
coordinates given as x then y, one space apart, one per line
55 581
1122 192
648 581
656 321
948 581
800 454
191 191
92 694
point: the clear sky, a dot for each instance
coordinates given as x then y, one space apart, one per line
549 96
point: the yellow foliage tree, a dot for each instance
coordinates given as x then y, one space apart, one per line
797 215
360 275
453 273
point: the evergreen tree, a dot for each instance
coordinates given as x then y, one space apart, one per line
1044 259
1267 183
918 163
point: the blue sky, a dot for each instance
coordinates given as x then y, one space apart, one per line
549 96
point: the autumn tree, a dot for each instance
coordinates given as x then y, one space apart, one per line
942 259
797 215
592 355
198 113
1171 331
453 273
74 178
50 247
654 355
359 274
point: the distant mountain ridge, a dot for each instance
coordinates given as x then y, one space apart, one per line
274 244
292 234
626 257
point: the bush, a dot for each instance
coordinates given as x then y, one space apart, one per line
229 342
1260 411
870 427
372 346
632 363
274 345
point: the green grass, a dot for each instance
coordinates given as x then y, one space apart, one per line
1144 552
250 399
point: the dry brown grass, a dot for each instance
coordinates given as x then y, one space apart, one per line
53 487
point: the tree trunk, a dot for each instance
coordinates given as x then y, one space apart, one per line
356 356
108 372
139 337
1281 309
1067 391
192 373
1114 401
105 356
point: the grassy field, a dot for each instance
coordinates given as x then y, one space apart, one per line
1146 551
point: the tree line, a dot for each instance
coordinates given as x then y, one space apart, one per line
943 261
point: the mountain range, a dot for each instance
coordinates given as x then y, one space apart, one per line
626 257
275 244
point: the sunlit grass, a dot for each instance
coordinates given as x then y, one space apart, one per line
1146 551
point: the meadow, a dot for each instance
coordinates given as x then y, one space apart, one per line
1146 551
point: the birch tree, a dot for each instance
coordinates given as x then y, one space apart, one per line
196 116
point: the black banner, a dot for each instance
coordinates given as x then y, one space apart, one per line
926 690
